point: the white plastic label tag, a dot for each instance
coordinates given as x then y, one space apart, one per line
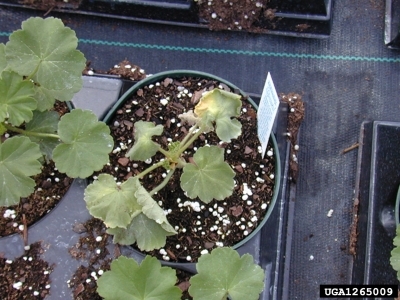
266 113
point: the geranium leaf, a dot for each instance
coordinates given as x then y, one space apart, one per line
85 145
46 50
18 161
210 177
44 122
3 60
223 272
127 280
144 147
115 204
147 233
220 106
16 99
46 98
152 210
395 254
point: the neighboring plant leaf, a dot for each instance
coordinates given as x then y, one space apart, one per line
45 100
18 160
16 99
129 281
210 177
220 106
46 50
224 273
44 122
3 60
395 254
85 145
144 147
147 233
115 204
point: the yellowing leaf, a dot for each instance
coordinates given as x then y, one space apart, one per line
220 106
145 232
129 281
115 204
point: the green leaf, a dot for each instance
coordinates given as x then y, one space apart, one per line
45 50
144 147
85 145
46 98
147 233
209 177
115 204
18 160
223 273
44 122
3 60
395 254
16 99
220 106
129 281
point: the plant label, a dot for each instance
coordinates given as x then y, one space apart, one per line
266 113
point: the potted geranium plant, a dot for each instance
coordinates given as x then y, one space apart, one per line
211 202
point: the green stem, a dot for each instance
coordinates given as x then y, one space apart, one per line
162 184
190 132
191 140
149 169
165 152
31 133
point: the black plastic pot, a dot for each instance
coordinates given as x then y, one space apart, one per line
377 184
392 24
266 243
56 229
298 18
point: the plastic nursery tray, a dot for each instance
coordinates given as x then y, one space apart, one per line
55 230
313 22
377 183
392 24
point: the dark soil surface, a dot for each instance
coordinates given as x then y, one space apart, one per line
51 186
219 223
92 248
95 250
296 111
26 277
256 16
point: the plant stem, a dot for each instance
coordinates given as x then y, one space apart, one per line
31 133
162 184
190 132
191 140
149 169
165 152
